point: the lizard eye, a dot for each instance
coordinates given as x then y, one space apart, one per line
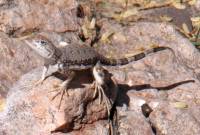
41 42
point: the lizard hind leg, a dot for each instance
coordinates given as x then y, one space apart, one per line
63 88
100 76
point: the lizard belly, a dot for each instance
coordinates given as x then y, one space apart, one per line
73 66
80 67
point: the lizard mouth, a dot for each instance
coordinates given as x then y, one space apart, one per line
50 53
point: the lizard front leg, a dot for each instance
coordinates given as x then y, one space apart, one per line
43 77
47 71
63 87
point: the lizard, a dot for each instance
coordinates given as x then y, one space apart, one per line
74 57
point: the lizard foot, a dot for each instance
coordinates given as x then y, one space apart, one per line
61 91
63 88
102 96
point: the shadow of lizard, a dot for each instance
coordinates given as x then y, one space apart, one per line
123 98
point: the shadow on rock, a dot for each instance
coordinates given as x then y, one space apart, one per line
81 77
123 98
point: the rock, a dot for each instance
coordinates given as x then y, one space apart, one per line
134 39
33 107
133 123
99 127
178 16
16 59
169 120
39 15
197 5
164 13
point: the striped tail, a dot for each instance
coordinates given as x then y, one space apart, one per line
124 61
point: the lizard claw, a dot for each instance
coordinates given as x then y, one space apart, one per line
39 82
97 89
94 86
102 96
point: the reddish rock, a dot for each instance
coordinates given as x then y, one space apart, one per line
133 123
43 15
29 105
16 59
169 120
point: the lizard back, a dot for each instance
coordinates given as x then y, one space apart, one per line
78 57
83 57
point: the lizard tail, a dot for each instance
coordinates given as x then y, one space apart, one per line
124 61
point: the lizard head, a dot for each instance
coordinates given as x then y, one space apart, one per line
41 45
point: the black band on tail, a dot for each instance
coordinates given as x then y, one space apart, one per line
124 61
